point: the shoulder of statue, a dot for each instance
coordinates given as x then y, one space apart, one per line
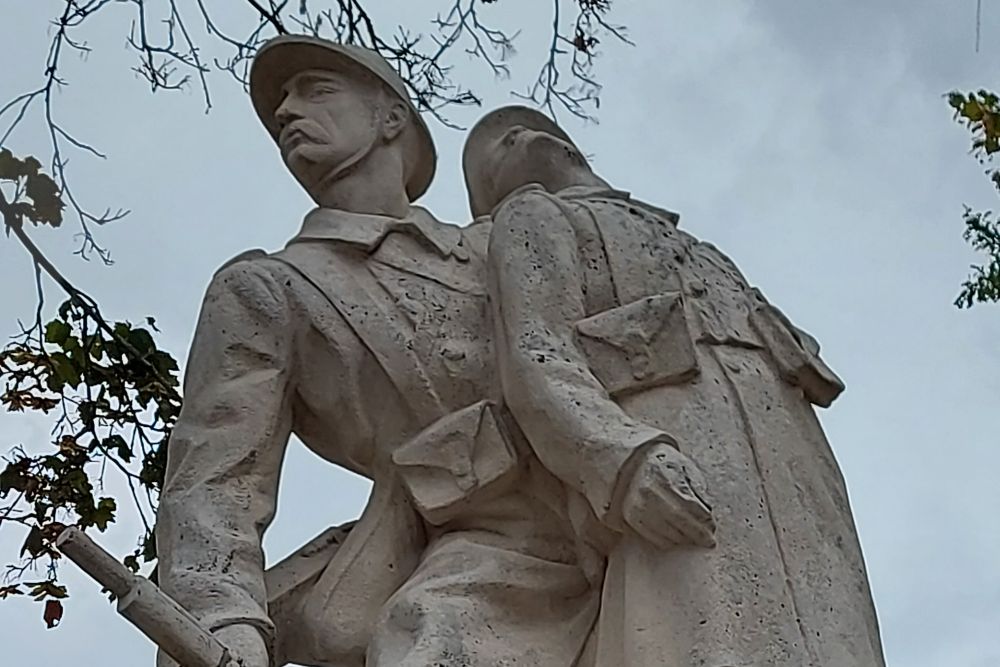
251 285
245 256
672 217
251 270
531 199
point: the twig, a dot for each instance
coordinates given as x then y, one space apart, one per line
271 17
13 222
979 22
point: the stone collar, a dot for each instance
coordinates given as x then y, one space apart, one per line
367 231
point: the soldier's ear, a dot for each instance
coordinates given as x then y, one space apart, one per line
397 117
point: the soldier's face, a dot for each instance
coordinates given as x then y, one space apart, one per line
522 155
325 118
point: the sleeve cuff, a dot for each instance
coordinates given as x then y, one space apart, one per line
608 503
263 625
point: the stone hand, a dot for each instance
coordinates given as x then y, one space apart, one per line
245 643
663 503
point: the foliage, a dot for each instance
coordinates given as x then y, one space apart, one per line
36 195
979 112
114 397
982 231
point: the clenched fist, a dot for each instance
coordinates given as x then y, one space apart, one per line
245 643
664 500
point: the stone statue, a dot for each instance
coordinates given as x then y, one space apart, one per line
591 442
674 401
369 336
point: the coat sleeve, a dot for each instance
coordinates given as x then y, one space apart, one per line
574 426
225 453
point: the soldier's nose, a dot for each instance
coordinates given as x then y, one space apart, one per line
285 113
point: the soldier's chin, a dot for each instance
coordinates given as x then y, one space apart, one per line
539 168
538 143
542 153
507 181
304 160
299 155
310 175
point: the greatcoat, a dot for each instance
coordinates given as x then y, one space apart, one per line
616 326
370 339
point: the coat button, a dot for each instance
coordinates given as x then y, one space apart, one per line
453 356
460 253
452 352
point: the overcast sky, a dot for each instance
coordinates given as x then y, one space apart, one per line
808 140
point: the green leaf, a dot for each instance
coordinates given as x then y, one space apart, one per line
43 589
44 194
77 481
972 111
165 365
95 346
148 547
47 213
65 309
142 341
10 166
10 590
991 144
33 544
64 369
104 514
31 166
117 444
56 332
13 478
72 346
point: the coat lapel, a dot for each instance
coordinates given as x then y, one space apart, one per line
404 253
346 284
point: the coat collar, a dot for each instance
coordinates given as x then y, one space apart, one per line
583 192
367 231
591 192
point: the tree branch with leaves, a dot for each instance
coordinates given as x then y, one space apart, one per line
979 112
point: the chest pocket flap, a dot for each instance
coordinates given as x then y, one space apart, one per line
462 458
639 345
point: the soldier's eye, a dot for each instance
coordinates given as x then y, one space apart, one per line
321 90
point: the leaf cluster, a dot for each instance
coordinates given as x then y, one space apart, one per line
979 112
36 196
114 395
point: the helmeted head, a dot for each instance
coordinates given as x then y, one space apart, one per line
329 105
513 146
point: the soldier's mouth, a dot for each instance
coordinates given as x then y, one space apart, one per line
293 138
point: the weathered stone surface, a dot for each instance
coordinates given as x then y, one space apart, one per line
369 336
629 345
591 440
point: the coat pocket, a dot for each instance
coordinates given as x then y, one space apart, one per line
796 355
458 460
639 345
